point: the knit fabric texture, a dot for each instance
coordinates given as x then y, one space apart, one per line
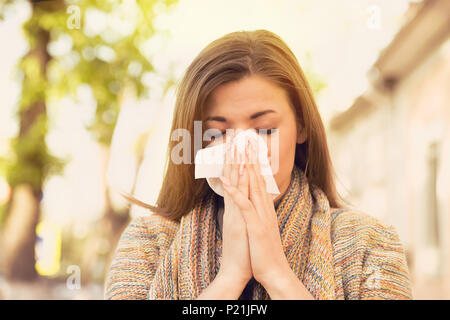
336 253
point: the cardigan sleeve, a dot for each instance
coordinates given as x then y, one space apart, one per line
369 258
385 273
136 257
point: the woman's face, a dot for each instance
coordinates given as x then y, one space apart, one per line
255 103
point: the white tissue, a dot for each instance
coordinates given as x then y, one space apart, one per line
209 162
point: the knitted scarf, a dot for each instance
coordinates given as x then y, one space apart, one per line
194 257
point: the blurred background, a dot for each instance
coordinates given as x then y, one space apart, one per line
87 90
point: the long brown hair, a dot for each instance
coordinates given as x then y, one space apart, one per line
230 58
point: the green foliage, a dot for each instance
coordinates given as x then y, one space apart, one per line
31 161
34 83
49 75
105 75
2 174
316 81
4 6
2 213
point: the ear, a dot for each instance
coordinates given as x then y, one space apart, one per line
301 134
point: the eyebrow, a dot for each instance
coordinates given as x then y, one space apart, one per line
253 116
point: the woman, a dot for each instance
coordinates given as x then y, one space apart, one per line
301 245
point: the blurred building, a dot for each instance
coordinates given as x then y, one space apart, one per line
391 148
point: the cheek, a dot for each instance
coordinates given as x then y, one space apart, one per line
286 149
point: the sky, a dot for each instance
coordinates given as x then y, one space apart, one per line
337 40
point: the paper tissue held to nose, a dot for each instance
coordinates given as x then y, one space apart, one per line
209 162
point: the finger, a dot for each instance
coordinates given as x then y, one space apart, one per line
243 185
255 162
242 162
234 176
227 160
245 206
256 190
261 181
227 172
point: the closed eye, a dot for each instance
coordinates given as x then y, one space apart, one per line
217 133
266 131
214 133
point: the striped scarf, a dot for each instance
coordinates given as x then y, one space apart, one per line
194 257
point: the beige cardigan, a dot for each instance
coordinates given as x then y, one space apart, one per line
369 259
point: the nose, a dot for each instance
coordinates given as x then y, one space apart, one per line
237 130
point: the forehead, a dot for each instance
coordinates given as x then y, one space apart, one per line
247 96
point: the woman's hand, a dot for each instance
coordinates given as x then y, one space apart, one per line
268 261
266 251
235 248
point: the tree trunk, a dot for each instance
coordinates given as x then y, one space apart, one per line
19 234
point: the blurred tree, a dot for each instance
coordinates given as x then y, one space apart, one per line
30 162
71 43
316 81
